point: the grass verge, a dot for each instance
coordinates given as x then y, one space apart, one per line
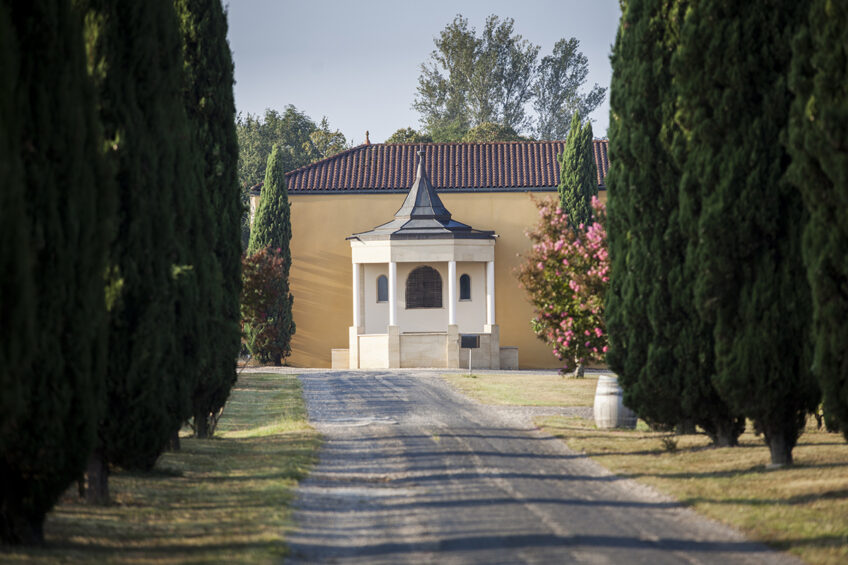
526 389
215 501
802 509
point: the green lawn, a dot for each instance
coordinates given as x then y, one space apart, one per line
526 389
220 500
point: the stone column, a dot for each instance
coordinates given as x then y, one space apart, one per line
490 293
451 293
392 293
357 304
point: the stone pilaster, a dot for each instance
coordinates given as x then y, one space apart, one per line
495 345
394 347
452 347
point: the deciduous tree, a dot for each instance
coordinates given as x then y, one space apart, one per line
566 275
409 135
473 79
556 92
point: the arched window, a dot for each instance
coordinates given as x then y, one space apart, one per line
465 287
424 288
382 289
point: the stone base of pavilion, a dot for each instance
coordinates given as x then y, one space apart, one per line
408 350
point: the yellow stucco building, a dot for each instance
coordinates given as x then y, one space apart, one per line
490 186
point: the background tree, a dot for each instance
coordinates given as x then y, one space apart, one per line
556 95
209 102
660 348
293 131
818 128
323 142
566 275
136 61
56 216
751 282
578 174
470 80
272 229
489 132
409 135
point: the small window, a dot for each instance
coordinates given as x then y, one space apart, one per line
465 287
424 288
382 289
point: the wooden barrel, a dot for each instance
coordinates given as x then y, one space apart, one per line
609 409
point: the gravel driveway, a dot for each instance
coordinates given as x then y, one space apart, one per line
414 472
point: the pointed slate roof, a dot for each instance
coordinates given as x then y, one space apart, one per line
423 216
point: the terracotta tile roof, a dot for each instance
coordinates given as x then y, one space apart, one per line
378 167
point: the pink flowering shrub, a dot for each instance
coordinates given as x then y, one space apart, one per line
566 275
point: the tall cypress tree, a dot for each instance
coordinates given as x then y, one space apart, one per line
209 101
272 228
57 201
751 282
578 176
817 131
660 348
136 57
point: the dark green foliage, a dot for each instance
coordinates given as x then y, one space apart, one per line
56 222
578 174
136 59
659 347
301 142
818 131
291 130
264 303
743 216
272 229
210 105
488 132
409 135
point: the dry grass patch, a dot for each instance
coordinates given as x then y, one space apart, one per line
802 509
526 389
220 500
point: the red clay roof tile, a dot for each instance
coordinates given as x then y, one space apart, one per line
517 165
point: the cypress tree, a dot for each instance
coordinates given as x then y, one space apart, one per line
210 105
817 130
751 283
56 211
578 176
272 228
136 57
660 348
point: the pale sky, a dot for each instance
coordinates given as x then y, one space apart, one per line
358 62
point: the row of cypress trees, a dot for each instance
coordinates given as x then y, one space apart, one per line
119 304
710 311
